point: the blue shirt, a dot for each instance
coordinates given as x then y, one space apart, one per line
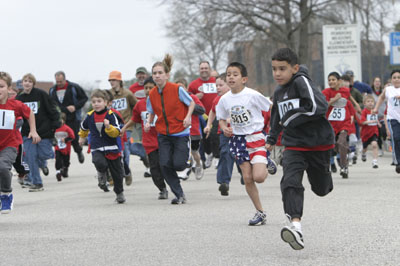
362 87
183 97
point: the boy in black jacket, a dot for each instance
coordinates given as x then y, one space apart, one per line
299 110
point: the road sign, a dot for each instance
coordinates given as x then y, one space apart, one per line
395 48
342 49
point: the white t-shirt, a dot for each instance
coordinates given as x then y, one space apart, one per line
393 104
244 110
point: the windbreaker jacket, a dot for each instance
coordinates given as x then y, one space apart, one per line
104 140
74 95
299 110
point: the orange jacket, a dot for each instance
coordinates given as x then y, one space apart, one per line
169 109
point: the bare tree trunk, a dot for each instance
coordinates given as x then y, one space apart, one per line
303 33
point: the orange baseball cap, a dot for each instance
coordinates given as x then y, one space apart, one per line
116 75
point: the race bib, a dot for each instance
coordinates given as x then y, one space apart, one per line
145 116
34 106
119 104
288 105
7 119
396 102
60 95
337 114
372 117
209 88
240 116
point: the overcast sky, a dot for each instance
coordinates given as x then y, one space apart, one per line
85 38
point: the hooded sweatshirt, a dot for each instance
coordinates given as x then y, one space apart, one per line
299 111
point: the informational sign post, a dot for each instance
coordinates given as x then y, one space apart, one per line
342 50
395 48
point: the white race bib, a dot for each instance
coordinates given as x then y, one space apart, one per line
145 117
7 119
337 114
60 95
119 104
209 88
34 106
288 105
396 102
240 117
372 117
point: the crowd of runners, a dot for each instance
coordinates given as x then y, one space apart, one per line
179 129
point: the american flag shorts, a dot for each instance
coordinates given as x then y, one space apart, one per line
249 148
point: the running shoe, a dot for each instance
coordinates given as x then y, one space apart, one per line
398 168
209 159
128 179
104 187
45 170
258 219
36 188
180 200
199 172
291 235
147 173
7 201
64 172
224 189
344 172
375 164
120 198
163 194
59 177
364 157
21 178
271 166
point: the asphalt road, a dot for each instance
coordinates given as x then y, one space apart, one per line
73 222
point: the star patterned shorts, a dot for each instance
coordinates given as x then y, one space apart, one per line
249 148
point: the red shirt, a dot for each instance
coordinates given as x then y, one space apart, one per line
208 91
138 91
140 115
331 93
9 112
267 117
64 132
195 128
340 118
368 130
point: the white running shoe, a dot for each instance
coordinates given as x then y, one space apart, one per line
199 171
375 163
291 235
209 159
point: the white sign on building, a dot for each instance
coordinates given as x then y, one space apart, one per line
395 48
342 50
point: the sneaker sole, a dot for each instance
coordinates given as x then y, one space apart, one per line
36 190
258 224
289 237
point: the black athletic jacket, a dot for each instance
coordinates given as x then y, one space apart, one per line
299 110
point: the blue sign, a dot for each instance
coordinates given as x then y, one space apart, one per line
395 48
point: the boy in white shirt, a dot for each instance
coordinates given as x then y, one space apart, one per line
247 142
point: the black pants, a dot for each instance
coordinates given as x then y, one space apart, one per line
116 168
19 167
211 144
155 170
62 160
316 164
75 126
174 155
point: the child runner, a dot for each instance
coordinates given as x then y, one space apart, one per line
341 116
123 102
105 143
195 131
150 143
369 130
64 136
47 119
247 142
392 95
299 110
173 107
226 161
10 110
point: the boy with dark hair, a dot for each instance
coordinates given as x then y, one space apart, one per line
299 111
243 107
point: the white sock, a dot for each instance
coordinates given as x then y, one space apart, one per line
297 225
58 171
